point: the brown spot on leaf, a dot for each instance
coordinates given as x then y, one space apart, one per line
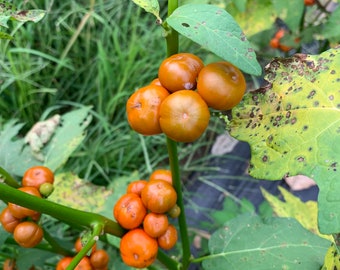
311 94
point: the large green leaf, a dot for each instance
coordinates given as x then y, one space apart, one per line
248 242
67 137
216 30
16 156
293 127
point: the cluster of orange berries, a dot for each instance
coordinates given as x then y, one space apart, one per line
97 260
23 222
177 102
276 43
143 210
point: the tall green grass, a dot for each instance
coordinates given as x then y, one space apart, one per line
89 53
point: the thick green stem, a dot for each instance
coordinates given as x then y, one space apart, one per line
172 48
174 165
97 230
77 218
172 35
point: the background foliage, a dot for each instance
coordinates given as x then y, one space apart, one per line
88 57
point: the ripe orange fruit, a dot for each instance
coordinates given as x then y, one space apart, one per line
155 224
161 174
8 221
136 187
180 71
159 196
28 234
184 116
169 238
129 211
99 259
222 85
138 249
36 176
142 109
78 245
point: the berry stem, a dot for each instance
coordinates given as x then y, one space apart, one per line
8 179
176 180
97 230
167 261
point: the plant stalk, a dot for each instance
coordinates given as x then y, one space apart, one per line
77 218
172 35
172 48
176 180
8 179
97 230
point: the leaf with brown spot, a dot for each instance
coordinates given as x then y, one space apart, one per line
293 126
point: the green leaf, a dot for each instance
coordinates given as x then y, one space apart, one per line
240 5
293 127
331 28
216 30
77 193
11 157
151 6
16 156
248 242
26 258
290 12
304 212
67 137
257 17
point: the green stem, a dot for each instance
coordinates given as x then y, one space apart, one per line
167 261
174 165
8 179
97 230
172 35
172 48
77 218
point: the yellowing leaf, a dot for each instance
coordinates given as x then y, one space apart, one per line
74 192
304 212
332 259
151 6
293 127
